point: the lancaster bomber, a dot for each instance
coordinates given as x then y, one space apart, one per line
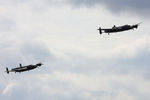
23 68
115 29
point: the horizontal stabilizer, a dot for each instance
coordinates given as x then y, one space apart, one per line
100 30
7 70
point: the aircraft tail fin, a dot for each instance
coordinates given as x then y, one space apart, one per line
100 30
7 70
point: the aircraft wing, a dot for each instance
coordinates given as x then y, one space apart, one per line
106 29
139 23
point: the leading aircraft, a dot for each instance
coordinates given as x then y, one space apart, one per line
115 29
23 68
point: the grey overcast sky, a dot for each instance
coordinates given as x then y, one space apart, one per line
138 6
79 64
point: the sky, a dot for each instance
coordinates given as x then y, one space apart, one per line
79 63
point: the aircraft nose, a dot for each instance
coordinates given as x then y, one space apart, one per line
40 64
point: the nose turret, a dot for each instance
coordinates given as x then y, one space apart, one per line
39 64
135 26
100 30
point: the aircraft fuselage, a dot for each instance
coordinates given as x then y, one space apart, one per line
118 29
22 69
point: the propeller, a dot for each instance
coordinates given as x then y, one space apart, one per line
139 23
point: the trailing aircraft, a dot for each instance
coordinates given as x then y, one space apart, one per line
23 68
115 29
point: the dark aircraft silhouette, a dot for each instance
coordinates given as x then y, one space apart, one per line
23 68
115 29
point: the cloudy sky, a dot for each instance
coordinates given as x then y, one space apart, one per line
79 64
